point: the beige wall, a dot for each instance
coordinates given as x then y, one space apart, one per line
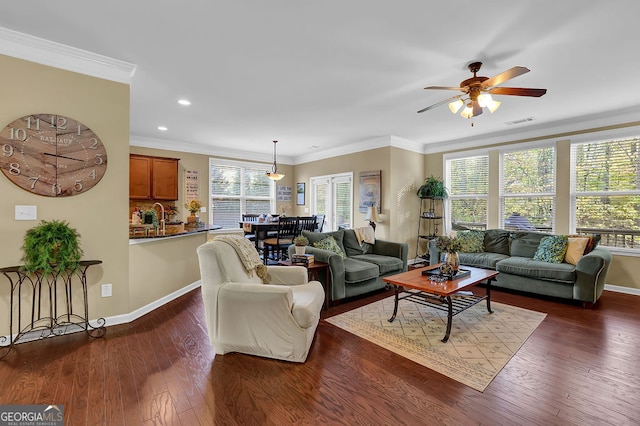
100 214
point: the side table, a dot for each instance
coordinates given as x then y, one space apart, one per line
313 274
42 305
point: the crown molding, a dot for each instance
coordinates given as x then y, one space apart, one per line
214 151
627 117
46 52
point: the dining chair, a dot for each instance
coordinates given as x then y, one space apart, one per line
306 223
319 223
275 248
250 217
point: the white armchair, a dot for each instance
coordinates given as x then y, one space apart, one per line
276 320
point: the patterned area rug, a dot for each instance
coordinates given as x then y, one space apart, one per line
479 347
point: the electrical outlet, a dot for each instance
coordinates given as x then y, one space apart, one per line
203 209
106 290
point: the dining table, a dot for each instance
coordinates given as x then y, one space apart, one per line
259 229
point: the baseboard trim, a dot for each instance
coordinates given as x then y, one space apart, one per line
621 289
119 319
132 316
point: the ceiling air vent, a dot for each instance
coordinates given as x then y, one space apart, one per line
523 120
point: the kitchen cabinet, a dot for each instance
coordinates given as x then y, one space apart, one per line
153 178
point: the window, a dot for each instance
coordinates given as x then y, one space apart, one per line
468 182
332 196
605 190
238 188
528 189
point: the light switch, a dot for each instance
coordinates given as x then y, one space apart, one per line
203 209
26 212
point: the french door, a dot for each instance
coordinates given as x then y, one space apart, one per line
332 196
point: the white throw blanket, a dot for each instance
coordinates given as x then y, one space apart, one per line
366 234
248 255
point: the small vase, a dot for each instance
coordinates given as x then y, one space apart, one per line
452 259
193 218
300 249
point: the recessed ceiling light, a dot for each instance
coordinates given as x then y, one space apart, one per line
184 102
162 128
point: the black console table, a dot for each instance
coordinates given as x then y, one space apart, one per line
42 305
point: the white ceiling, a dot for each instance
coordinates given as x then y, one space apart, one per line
322 76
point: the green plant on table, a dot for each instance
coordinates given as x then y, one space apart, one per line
448 244
433 187
51 247
300 241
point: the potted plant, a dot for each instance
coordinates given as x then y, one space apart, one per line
451 246
300 242
194 207
151 217
51 247
433 187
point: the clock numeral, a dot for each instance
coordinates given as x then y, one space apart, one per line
79 129
92 174
78 186
14 169
33 181
56 189
62 123
99 160
94 143
7 150
37 122
18 134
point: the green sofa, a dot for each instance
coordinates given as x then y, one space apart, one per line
361 270
511 253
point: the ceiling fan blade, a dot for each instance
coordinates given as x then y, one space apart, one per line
443 88
504 76
446 101
517 91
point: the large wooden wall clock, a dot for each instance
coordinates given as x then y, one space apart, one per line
52 155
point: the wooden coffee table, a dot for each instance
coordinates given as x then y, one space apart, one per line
422 290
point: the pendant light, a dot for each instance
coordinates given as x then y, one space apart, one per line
273 174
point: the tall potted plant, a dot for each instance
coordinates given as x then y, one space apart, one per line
51 247
433 187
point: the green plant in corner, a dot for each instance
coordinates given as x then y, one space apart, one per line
301 241
433 187
51 247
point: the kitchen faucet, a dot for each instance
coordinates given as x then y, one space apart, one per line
162 222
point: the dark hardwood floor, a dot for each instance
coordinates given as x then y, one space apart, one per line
580 367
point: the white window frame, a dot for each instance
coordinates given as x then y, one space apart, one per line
447 158
331 180
501 194
609 135
243 165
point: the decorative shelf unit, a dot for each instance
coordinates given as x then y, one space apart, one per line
42 305
430 223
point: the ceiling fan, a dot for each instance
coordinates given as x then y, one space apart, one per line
477 91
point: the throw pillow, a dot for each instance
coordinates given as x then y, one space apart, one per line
552 249
471 241
575 249
330 244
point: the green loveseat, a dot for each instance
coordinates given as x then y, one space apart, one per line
511 253
361 270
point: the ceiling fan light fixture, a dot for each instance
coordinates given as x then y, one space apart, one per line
484 99
467 112
456 105
273 174
493 105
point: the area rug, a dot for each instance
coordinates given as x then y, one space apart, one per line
479 347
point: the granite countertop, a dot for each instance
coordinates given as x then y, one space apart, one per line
187 231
